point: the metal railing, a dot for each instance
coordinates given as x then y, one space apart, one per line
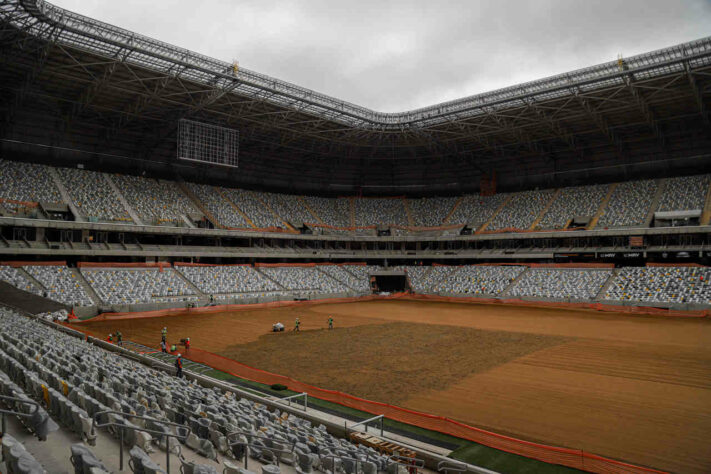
411 464
91 35
19 414
450 466
298 395
122 427
367 422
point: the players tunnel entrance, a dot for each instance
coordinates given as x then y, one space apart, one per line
389 282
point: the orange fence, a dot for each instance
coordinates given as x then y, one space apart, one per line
696 265
160 265
574 458
59 263
21 203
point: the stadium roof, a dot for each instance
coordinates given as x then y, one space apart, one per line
71 82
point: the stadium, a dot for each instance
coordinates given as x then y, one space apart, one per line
514 281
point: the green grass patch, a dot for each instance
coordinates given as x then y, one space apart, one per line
462 450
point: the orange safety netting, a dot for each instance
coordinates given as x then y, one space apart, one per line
568 457
413 228
520 231
697 265
574 458
349 228
264 229
22 203
190 264
123 264
15 264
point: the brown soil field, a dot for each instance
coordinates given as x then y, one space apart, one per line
631 387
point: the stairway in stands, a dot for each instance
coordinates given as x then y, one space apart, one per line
601 294
65 195
88 289
603 206
317 218
122 200
238 210
351 210
451 211
199 204
408 212
661 187
706 213
543 212
513 283
495 213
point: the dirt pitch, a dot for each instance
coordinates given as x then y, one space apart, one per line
636 388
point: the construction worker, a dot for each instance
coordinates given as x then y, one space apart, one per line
110 338
187 344
297 323
119 338
163 346
330 322
179 365
164 334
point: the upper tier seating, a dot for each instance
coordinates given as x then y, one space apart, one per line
249 203
306 280
430 212
137 285
662 285
154 201
629 204
288 207
92 195
27 182
476 210
214 280
374 211
479 280
566 283
61 284
333 212
521 211
685 193
216 205
572 202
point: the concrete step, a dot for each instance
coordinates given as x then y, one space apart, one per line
238 210
451 211
311 211
661 186
269 208
334 278
122 200
706 213
496 212
32 279
188 282
408 212
279 285
508 289
65 195
88 289
199 204
601 294
603 206
543 212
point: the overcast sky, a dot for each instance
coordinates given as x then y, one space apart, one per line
393 56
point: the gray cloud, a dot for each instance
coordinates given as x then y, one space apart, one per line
399 55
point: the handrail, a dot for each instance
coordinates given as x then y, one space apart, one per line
302 394
366 422
121 426
450 466
16 413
